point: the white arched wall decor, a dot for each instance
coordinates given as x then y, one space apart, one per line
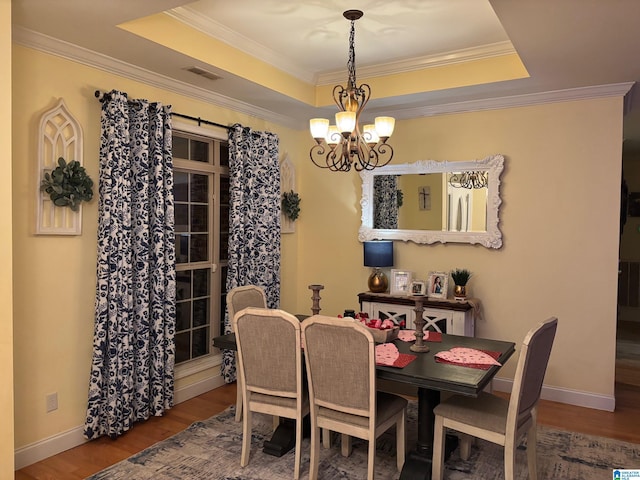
59 135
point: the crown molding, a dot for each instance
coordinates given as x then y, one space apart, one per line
529 99
420 63
69 51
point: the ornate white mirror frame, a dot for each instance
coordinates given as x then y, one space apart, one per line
491 238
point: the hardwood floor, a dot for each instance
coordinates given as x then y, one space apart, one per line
84 460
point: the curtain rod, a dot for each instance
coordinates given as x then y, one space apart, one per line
106 96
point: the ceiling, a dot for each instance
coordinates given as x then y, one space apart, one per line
422 57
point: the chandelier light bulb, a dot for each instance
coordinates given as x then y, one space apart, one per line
319 127
346 122
333 136
384 126
370 135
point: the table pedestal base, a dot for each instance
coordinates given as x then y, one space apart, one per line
417 464
282 440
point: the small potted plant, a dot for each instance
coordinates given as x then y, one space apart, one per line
68 185
460 278
291 205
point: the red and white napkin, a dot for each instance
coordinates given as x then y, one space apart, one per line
410 336
387 355
468 357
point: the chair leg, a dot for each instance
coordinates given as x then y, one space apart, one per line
314 460
326 438
246 438
531 452
401 440
238 399
276 422
437 467
509 458
372 457
345 445
465 446
298 453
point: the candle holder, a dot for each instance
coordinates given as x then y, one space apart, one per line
315 298
419 346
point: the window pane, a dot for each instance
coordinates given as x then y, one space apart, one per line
200 342
181 213
200 312
183 346
199 151
182 248
180 147
224 219
224 246
199 248
224 154
201 283
199 188
224 190
183 285
181 187
183 316
199 218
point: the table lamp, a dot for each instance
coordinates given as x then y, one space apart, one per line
378 254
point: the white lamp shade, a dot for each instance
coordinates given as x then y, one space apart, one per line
384 126
346 121
319 127
369 133
333 136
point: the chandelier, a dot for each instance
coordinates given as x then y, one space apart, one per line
470 180
344 144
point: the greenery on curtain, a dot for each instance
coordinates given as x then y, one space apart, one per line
385 201
135 308
254 220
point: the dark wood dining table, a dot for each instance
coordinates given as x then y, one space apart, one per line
431 378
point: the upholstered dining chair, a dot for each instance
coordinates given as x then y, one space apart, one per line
497 419
341 372
270 359
239 298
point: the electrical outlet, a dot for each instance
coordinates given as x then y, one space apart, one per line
52 402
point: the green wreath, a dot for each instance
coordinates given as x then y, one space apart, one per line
291 205
68 185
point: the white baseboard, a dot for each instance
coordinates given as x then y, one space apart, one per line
60 442
565 395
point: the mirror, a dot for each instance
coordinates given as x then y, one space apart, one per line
429 202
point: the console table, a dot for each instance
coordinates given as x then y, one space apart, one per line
457 317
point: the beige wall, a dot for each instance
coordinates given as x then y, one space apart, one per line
6 302
54 276
560 239
559 255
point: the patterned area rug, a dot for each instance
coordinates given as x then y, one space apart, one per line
211 450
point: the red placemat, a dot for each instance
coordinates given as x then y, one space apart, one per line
480 366
402 361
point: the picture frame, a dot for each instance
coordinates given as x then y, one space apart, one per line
418 288
400 282
438 285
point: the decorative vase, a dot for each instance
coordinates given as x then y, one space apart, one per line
378 282
460 292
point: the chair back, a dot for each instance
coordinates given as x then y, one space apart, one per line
269 351
239 298
530 371
340 362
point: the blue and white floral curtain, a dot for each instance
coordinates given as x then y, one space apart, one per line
254 220
385 201
135 308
